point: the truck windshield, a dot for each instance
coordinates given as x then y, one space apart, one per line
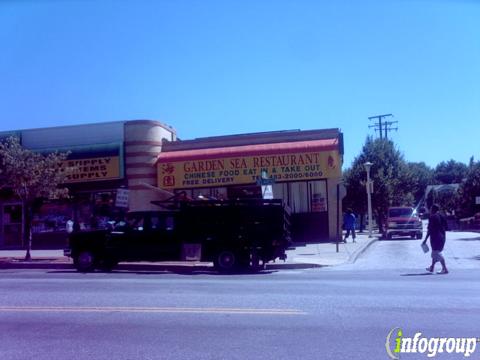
400 212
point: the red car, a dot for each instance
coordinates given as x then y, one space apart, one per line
403 221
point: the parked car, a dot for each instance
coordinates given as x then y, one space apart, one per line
403 221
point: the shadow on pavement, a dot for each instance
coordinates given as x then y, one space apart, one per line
468 239
398 239
164 271
418 274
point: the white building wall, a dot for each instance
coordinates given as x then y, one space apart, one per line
143 143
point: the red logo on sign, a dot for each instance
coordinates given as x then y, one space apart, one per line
331 162
169 181
168 169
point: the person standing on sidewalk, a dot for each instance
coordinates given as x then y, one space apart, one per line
349 224
437 225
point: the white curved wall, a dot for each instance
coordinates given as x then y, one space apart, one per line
143 143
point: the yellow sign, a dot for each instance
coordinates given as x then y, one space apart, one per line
92 169
247 170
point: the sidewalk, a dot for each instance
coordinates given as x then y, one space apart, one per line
302 256
325 254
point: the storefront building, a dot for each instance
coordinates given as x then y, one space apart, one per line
301 167
113 170
124 165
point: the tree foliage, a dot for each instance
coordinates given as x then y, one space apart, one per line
397 182
470 189
450 172
30 176
421 176
393 182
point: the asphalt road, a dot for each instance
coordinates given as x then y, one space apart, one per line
329 313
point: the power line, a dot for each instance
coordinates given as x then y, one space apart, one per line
382 125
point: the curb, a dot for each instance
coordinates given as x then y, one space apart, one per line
32 265
356 254
293 266
159 267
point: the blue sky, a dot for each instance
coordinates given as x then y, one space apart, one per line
236 66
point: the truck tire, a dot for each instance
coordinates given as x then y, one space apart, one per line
85 261
419 235
225 261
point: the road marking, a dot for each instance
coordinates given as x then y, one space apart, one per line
107 309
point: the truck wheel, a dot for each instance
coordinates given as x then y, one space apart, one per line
85 261
419 235
225 261
389 236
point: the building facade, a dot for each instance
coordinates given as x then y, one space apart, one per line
303 168
124 165
105 159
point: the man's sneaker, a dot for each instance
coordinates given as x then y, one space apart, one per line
442 271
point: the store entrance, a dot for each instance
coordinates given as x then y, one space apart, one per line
11 225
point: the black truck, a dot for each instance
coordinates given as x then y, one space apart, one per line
234 235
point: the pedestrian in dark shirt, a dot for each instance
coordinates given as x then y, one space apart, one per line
437 225
349 224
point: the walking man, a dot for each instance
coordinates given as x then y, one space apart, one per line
349 224
437 225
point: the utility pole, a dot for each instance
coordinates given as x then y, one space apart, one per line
368 166
382 125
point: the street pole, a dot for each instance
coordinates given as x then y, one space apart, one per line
368 165
338 217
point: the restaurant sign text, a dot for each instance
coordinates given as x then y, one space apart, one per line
247 170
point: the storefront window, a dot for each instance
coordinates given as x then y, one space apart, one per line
298 197
280 191
318 196
88 210
245 192
303 197
103 209
219 193
83 210
52 217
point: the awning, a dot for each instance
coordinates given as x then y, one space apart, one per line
250 150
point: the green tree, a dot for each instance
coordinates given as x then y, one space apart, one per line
451 172
448 200
393 183
31 176
421 176
356 198
470 189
